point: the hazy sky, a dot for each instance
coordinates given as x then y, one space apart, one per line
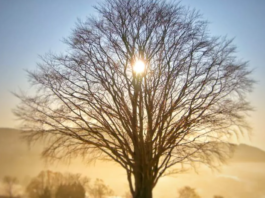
31 28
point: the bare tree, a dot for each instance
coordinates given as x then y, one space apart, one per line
9 185
75 189
99 189
49 184
188 192
182 108
44 185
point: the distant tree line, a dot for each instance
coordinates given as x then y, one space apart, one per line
188 192
49 184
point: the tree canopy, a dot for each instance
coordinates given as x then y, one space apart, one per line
99 189
49 184
9 186
75 190
188 192
182 108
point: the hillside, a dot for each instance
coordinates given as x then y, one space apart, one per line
246 153
17 158
12 146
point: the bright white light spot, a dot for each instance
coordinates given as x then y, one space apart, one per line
139 67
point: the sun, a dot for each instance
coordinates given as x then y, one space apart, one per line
139 67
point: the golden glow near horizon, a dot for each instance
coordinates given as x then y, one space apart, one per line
139 66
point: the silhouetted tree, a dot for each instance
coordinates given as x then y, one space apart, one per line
76 181
61 191
46 193
74 190
188 192
99 189
182 108
9 184
49 184
44 185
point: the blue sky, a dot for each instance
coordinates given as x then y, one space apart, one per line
31 28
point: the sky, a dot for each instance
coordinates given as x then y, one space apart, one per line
31 28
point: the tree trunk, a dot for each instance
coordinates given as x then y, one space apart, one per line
144 191
143 182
